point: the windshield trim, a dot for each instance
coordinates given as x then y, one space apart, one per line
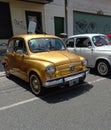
45 44
101 40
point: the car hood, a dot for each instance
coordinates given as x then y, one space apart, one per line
104 48
56 57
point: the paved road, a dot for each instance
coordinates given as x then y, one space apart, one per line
87 107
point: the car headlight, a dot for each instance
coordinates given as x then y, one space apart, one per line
84 62
50 69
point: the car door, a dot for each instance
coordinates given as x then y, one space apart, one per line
70 44
83 47
10 55
20 56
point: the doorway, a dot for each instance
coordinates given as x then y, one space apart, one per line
59 25
34 22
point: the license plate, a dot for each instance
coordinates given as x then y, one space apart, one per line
73 82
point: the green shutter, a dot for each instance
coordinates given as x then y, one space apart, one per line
91 23
59 25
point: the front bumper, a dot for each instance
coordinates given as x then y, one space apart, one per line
64 80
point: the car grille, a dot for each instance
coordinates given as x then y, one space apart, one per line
69 68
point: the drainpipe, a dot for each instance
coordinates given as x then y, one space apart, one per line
66 22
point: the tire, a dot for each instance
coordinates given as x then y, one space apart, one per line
36 85
103 68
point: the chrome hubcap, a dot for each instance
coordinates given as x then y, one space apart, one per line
102 68
35 84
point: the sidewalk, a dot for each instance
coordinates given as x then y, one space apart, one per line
2 56
2 73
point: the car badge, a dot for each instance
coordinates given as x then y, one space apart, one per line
72 68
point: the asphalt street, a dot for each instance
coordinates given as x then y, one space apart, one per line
87 107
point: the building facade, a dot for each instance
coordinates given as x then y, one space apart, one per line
16 16
54 17
79 16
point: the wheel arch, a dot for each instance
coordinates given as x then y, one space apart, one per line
40 90
103 67
34 72
103 59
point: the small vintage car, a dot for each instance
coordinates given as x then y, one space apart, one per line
95 48
43 61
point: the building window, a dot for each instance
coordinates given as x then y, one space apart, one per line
5 21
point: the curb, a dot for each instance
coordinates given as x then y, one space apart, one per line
2 74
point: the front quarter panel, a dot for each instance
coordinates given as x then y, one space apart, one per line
39 67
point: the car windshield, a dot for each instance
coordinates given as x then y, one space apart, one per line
45 44
101 41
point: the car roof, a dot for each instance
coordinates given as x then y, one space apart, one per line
87 35
31 36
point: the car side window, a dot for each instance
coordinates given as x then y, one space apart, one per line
19 46
70 42
83 42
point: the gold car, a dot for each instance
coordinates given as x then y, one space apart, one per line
43 61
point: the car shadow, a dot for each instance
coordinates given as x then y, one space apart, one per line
57 94
94 72
20 82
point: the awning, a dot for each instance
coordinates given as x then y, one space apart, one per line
38 1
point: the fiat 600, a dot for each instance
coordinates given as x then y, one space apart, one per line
43 61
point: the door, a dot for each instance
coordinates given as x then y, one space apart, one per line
83 47
10 55
59 25
5 21
20 56
34 22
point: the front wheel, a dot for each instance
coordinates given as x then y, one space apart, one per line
103 68
36 85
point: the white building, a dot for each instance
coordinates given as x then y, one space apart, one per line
83 16
15 16
54 17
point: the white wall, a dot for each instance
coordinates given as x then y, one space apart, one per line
91 6
52 9
18 15
55 8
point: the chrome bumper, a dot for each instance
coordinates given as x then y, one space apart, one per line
64 80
